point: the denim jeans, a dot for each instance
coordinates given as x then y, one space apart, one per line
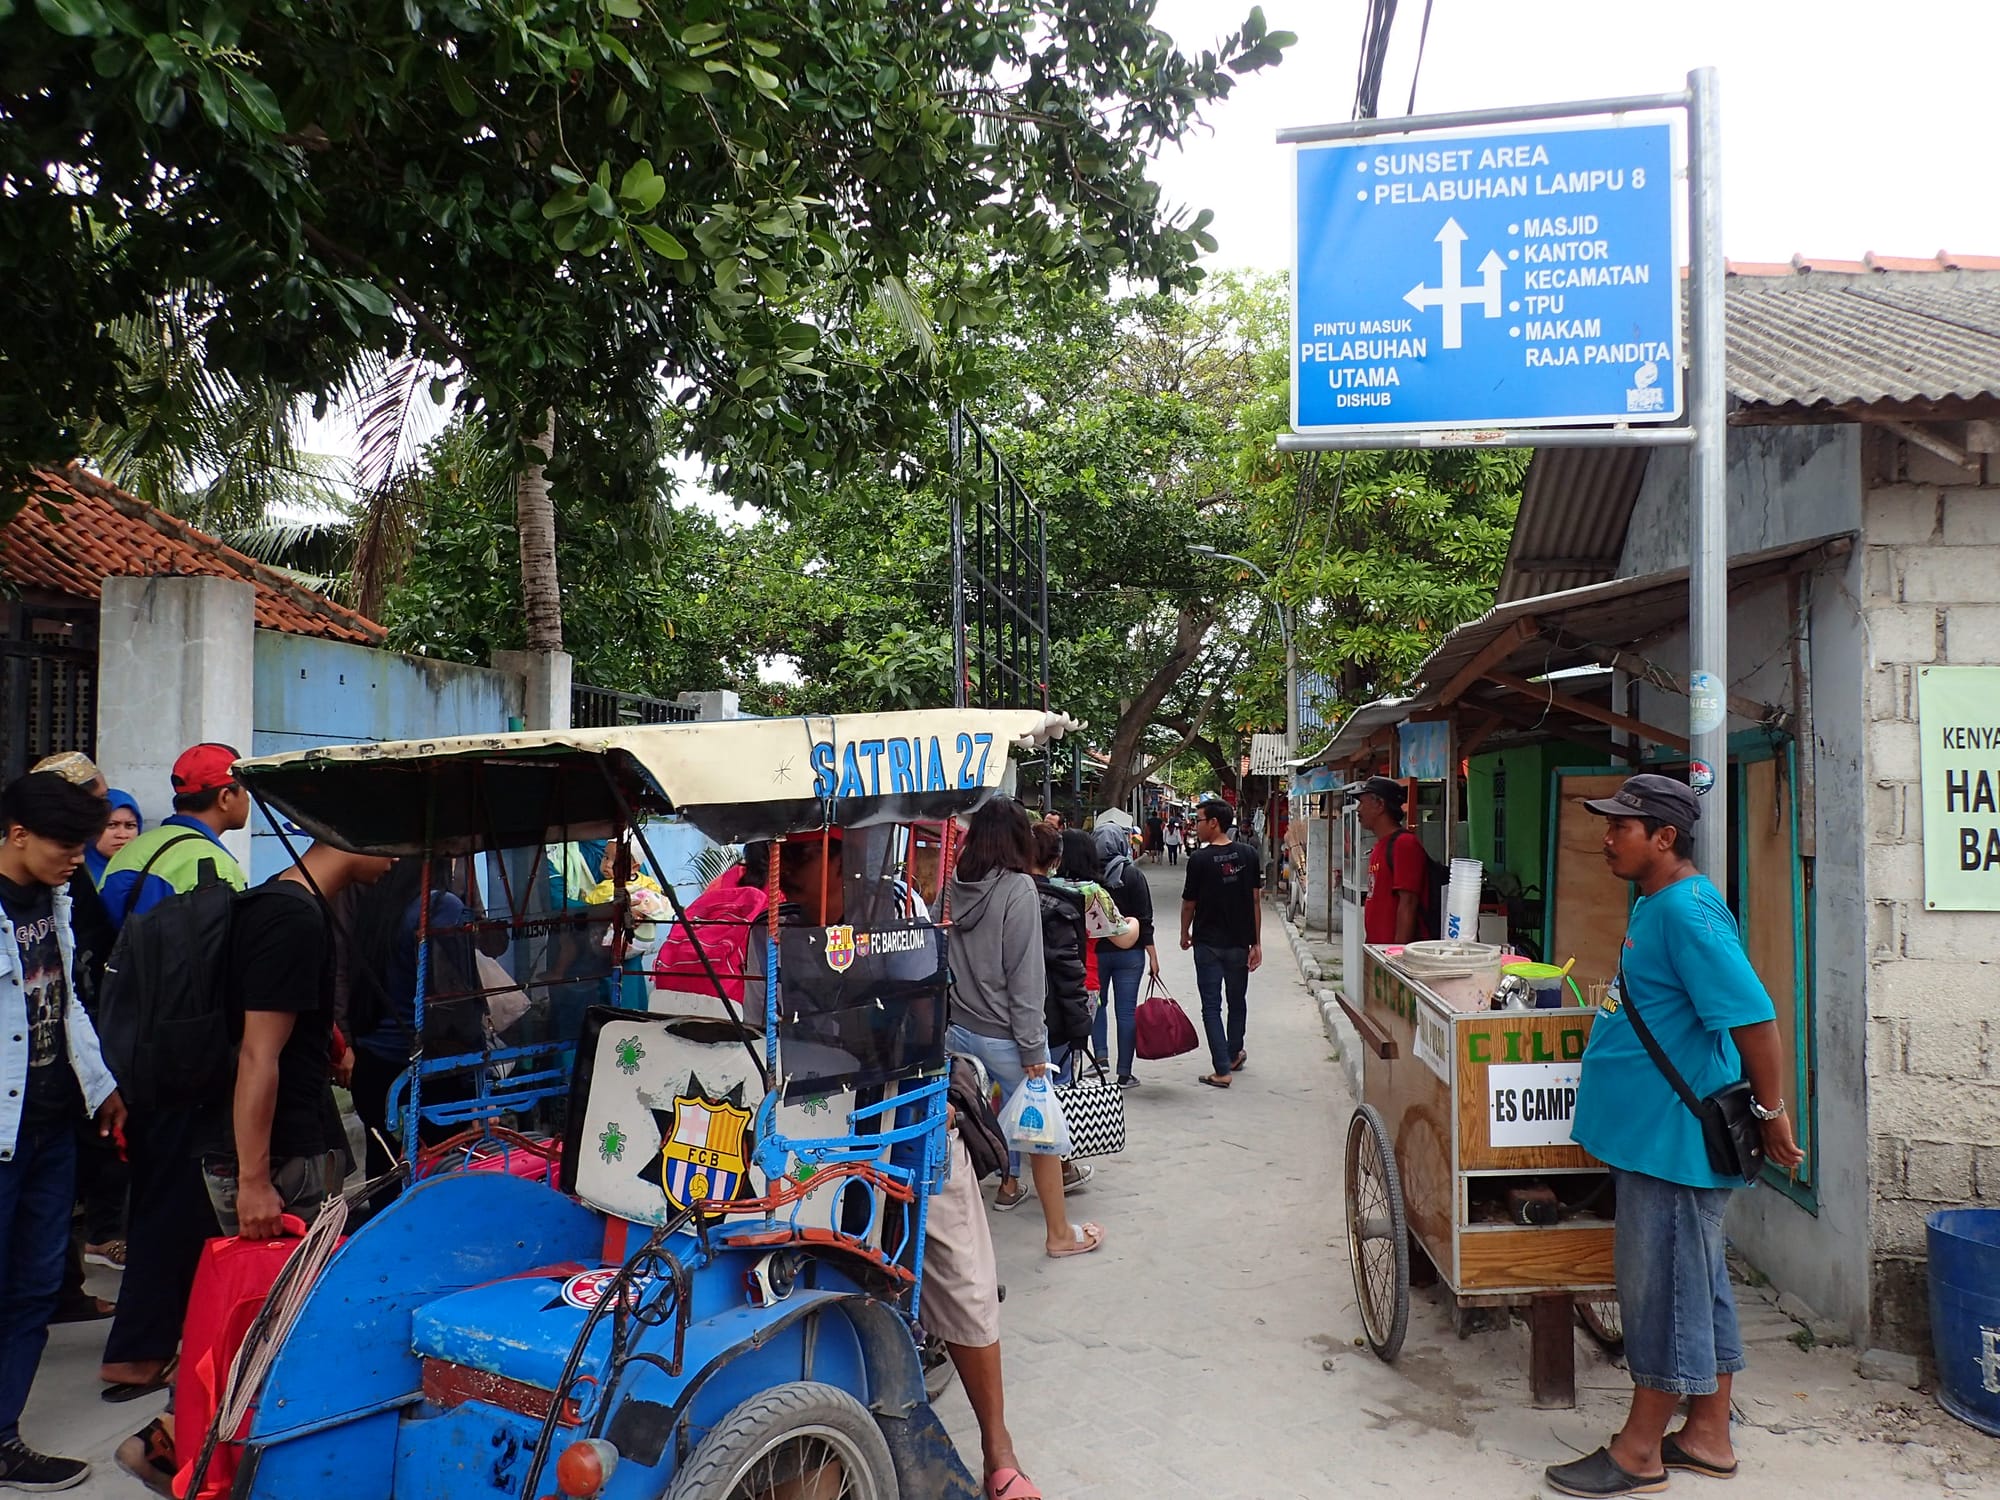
1218 971
1673 1284
1119 972
1002 1060
37 1188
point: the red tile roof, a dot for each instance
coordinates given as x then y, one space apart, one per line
98 531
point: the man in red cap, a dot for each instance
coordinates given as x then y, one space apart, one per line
170 1214
207 804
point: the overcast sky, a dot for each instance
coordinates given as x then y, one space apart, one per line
1847 127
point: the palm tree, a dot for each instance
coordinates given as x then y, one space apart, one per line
535 520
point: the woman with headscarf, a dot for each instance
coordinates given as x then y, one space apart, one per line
126 824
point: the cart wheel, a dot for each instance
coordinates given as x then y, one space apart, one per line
1602 1320
804 1439
1378 1238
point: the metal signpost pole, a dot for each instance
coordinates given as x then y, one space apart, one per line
1708 512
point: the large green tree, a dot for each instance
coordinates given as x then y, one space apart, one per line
604 206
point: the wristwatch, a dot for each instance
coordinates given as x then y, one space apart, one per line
1765 1114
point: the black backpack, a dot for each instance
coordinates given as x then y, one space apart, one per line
1430 911
163 1019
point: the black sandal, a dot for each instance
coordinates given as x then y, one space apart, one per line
1213 1081
120 1391
1599 1474
1674 1456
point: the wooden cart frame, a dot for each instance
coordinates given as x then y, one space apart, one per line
1458 1106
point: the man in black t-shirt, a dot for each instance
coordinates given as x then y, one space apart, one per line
280 1150
1222 919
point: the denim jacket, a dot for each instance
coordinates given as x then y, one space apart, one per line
91 1075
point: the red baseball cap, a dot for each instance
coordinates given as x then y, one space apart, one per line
204 767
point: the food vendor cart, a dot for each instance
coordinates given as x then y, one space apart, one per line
1460 1153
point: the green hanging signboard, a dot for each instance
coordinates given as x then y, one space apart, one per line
1958 719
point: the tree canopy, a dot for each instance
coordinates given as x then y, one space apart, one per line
599 206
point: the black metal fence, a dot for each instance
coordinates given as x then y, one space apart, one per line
1000 584
604 708
48 683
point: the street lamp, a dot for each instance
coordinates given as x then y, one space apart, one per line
1291 655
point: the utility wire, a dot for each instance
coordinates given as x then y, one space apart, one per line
1422 37
1375 28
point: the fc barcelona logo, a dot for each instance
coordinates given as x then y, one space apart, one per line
704 1147
840 949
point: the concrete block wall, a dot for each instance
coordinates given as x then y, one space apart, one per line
1930 594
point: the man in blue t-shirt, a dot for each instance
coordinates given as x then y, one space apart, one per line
1684 967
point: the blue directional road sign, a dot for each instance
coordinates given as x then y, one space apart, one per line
1524 279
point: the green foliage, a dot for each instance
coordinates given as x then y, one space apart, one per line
1379 562
596 206
649 604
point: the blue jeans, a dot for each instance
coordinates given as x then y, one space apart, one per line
1218 971
1673 1284
1002 1059
37 1188
1118 973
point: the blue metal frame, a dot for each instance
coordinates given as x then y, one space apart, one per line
477 1259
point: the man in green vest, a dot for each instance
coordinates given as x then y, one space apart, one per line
207 804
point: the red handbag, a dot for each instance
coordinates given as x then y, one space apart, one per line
1162 1028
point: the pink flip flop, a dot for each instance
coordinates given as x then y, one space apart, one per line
1088 1238
1011 1484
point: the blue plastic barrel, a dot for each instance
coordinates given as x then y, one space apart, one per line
1965 1312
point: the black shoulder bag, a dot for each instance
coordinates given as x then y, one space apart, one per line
1733 1136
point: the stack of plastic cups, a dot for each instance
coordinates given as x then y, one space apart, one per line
1461 900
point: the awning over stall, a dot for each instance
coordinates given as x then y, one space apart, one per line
1501 675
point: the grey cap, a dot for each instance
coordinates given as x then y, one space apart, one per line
1389 790
1650 796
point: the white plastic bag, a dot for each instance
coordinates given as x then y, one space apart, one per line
1032 1120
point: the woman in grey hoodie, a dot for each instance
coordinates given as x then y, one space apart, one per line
999 987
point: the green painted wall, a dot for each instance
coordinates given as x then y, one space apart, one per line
1516 840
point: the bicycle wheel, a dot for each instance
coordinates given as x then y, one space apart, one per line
805 1439
1378 1235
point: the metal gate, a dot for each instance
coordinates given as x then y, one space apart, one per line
1000 586
48 682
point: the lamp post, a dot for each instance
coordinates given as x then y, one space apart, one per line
1291 666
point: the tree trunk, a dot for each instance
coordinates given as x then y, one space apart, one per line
1125 772
1225 771
535 520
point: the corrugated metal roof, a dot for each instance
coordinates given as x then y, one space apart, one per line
1612 615
1821 338
1356 727
1574 509
1809 335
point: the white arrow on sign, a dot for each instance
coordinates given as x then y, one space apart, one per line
1453 295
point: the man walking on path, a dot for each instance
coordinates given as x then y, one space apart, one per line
169 1216
1684 971
53 1076
1222 920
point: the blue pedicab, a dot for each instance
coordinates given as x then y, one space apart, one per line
715 1297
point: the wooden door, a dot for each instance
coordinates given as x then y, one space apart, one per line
1587 905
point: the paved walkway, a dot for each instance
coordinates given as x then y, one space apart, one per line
1209 1349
